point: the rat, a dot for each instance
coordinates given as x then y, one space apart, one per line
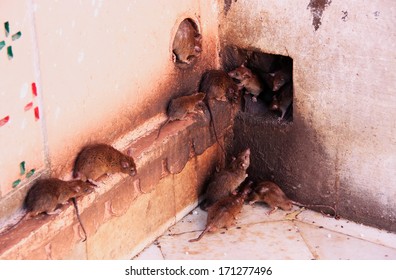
248 80
187 45
218 86
48 195
180 107
262 62
224 212
96 160
276 80
283 75
282 100
232 56
271 194
227 180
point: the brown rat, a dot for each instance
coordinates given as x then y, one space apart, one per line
226 181
248 80
47 196
187 45
180 107
219 87
96 160
282 100
262 62
271 194
232 57
224 212
283 75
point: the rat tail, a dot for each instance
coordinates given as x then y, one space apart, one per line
79 218
200 236
161 126
316 206
212 120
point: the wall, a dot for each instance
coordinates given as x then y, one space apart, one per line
95 71
340 148
99 69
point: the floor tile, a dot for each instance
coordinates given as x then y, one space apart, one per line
332 245
195 220
372 234
297 234
267 240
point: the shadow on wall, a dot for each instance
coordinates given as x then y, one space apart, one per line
288 151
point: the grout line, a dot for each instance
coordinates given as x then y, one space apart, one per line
38 81
312 250
160 249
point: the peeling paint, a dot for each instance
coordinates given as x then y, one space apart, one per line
317 8
345 16
227 5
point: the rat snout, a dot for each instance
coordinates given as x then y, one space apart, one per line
247 151
288 206
232 74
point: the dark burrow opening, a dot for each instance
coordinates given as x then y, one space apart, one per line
266 82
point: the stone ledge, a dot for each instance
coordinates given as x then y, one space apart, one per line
126 213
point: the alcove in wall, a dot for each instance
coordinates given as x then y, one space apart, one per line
269 76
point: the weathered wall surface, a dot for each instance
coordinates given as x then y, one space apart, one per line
87 71
125 213
77 72
341 147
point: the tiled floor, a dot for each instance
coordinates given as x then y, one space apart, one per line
279 236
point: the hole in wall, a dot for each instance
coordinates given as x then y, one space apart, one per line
186 46
266 81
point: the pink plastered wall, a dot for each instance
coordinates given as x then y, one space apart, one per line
83 72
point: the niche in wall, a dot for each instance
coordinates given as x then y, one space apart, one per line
266 81
186 46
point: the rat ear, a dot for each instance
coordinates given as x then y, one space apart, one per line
124 164
77 189
263 190
246 76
